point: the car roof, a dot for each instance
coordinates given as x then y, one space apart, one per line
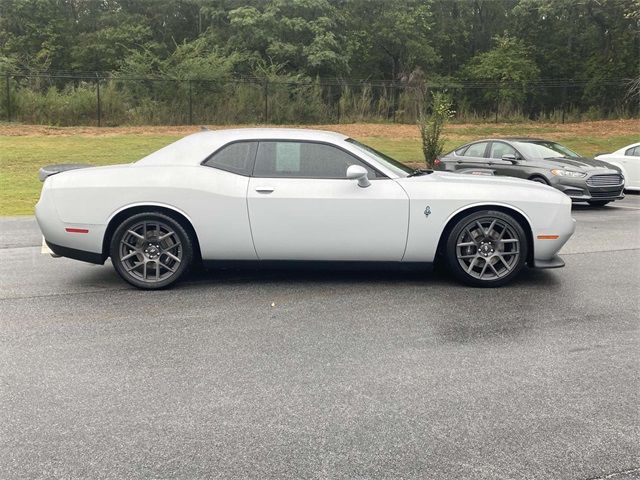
233 134
194 148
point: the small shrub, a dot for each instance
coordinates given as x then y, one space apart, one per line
431 126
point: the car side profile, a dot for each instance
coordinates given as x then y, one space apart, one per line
269 195
582 179
627 159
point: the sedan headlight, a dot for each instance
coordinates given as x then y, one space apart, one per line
567 173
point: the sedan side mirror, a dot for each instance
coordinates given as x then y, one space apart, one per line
359 173
510 157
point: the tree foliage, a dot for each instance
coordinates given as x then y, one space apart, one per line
509 45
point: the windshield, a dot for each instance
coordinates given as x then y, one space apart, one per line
542 149
392 164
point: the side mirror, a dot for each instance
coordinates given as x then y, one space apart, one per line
356 172
510 157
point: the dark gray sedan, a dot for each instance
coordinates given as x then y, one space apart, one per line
582 179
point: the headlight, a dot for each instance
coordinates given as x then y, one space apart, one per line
567 173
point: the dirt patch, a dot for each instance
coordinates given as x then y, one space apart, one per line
549 130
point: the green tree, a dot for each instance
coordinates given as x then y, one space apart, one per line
510 70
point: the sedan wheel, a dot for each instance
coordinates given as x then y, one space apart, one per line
487 249
151 250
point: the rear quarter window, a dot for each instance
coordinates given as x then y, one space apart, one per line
237 157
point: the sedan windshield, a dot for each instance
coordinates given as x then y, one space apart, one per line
392 164
543 149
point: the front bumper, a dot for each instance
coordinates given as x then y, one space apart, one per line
553 262
579 191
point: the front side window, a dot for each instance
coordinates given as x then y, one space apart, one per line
235 158
476 150
498 149
304 160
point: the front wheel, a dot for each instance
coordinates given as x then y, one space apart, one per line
598 203
487 249
151 250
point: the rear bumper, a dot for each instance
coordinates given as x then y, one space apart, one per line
83 256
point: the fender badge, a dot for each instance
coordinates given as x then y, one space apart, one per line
427 211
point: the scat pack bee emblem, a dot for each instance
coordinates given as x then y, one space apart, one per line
427 211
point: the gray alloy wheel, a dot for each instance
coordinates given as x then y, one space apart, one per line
487 248
151 250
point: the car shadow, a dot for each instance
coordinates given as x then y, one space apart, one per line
105 277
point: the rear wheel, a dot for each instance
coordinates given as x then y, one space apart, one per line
487 249
598 203
151 250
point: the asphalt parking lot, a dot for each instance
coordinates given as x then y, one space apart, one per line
274 374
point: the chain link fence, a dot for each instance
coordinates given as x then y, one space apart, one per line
110 100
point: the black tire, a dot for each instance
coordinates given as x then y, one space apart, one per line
501 244
598 203
539 180
151 250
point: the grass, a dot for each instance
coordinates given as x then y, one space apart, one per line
22 155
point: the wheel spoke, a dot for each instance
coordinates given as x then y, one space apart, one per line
167 267
508 240
466 244
504 262
484 268
166 235
134 253
133 267
136 234
177 244
494 269
172 256
493 224
472 264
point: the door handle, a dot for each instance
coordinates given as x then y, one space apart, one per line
265 189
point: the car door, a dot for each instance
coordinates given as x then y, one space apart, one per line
473 157
302 206
505 167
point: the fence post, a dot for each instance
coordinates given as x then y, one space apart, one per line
266 100
8 99
564 100
98 100
339 100
394 99
190 104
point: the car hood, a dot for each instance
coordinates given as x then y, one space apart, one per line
580 164
480 180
